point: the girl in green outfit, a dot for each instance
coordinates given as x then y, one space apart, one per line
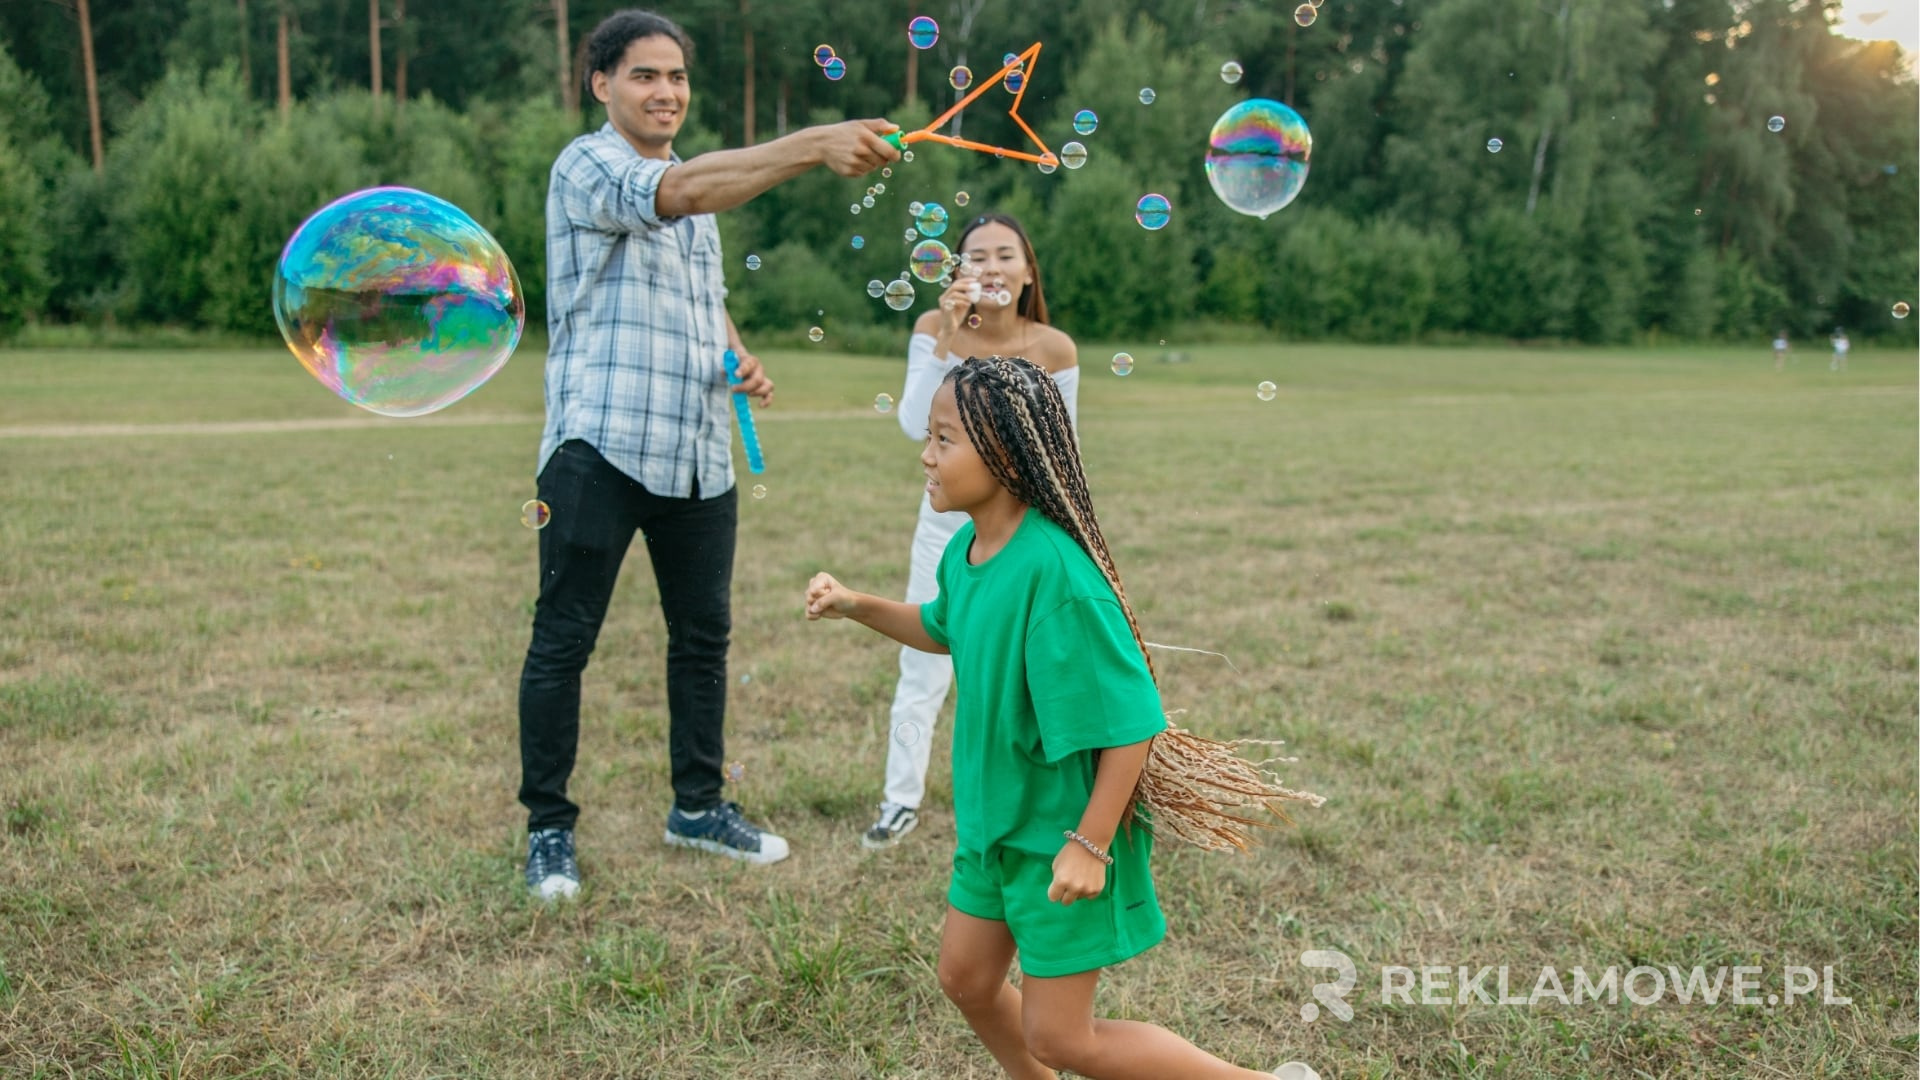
1058 739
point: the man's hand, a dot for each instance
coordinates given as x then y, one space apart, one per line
828 599
1077 875
855 147
753 378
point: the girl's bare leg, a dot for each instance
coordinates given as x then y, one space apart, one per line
1061 1031
974 957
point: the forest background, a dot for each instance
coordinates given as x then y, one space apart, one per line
156 154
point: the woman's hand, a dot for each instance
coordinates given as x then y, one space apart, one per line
828 599
962 294
1077 875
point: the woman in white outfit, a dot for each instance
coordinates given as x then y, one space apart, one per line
994 306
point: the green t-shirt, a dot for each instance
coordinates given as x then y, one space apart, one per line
1048 672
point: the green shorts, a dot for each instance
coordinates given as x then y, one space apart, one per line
1057 939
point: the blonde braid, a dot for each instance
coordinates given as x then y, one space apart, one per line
1191 786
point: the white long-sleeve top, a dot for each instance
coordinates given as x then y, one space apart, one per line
925 372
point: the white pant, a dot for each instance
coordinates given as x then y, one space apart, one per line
924 677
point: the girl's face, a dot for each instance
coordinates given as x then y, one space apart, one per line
957 477
996 254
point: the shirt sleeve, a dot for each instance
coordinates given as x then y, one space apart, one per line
1088 681
608 194
1069 383
924 372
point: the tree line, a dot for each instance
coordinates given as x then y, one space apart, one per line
156 154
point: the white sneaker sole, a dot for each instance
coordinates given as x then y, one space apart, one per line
772 848
556 887
1296 1070
868 842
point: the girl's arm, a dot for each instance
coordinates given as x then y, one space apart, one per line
1077 873
828 599
1113 782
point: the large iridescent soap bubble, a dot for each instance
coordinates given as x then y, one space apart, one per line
1257 156
397 301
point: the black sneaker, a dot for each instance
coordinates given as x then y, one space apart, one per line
551 872
723 831
895 821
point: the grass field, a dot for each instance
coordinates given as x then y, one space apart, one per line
1602 658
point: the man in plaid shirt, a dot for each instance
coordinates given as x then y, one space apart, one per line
638 433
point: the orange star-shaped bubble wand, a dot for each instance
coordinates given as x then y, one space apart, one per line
1023 63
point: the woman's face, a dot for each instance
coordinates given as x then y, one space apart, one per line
994 252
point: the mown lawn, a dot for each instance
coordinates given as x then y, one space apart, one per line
1602 659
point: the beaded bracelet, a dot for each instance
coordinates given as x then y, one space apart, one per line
1090 846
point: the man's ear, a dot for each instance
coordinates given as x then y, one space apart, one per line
602 88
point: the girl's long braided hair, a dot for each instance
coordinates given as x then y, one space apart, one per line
1196 789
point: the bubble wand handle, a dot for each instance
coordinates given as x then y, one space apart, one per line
743 411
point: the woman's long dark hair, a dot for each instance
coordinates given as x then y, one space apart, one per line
1032 303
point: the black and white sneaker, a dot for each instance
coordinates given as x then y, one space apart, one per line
895 822
551 871
723 831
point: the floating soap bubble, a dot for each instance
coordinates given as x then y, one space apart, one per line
1084 122
1011 60
534 514
1776 124
914 208
853 208
1003 298
973 321
906 733
753 262
886 170
961 198
1073 155
1048 164
928 260
910 235
1901 310
923 32
1146 95
906 156
931 220
397 301
1122 363
1304 14
1266 391
1014 81
735 770
1152 212
879 189
1494 145
816 335
876 287
834 69
899 293
859 242
759 491
883 403
1231 71
822 54
960 77
1257 156
866 201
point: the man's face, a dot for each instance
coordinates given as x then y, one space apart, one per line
646 93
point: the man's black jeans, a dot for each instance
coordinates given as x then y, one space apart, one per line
595 509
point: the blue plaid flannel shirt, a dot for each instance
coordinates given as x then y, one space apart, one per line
637 322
